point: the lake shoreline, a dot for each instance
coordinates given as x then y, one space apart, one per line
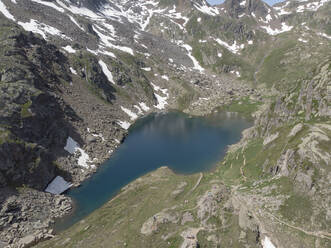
215 118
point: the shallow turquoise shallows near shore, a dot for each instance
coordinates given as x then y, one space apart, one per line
185 144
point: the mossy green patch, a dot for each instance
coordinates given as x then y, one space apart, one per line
25 110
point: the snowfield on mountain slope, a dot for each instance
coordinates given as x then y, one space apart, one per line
271 31
162 100
49 4
106 71
43 29
5 12
234 48
133 116
204 8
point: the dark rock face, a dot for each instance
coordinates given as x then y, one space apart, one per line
92 72
90 4
33 116
237 7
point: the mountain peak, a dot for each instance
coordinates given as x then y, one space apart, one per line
255 8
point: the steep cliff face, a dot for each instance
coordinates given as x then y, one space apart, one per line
33 116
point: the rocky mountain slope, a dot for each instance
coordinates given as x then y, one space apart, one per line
75 74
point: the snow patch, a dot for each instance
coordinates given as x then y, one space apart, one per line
162 100
284 28
42 29
78 10
234 48
106 71
146 69
165 77
312 6
72 147
76 23
49 4
73 71
124 124
5 12
69 49
131 114
105 40
325 35
204 8
196 65
144 106
266 243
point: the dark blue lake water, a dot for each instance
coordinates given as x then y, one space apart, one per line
185 144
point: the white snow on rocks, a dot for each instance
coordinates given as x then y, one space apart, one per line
72 147
281 9
266 243
110 54
49 4
284 28
243 3
78 10
284 12
42 29
234 48
144 106
69 49
142 17
162 100
196 65
268 18
312 6
250 42
5 12
105 40
325 35
146 69
124 124
76 23
133 116
199 19
73 71
220 55
165 77
204 8
172 14
106 71
140 112
58 186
